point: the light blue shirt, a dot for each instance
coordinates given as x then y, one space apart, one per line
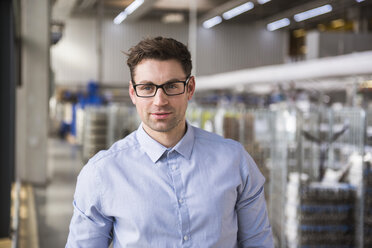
204 192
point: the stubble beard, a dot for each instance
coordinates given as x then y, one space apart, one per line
163 126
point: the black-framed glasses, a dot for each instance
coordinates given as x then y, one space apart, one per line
173 88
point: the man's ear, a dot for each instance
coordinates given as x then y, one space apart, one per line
132 93
190 88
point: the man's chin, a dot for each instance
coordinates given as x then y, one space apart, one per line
160 127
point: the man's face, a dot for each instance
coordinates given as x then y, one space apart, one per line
161 113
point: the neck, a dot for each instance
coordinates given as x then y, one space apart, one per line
167 139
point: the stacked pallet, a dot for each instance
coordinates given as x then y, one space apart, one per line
95 133
231 128
368 207
326 215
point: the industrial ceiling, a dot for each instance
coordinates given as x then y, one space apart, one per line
270 11
267 12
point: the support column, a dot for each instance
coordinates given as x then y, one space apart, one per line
32 96
312 45
193 27
100 18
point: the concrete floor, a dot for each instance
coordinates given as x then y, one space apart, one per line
54 201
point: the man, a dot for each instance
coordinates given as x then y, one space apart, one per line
169 184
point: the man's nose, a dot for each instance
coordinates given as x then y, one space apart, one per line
160 97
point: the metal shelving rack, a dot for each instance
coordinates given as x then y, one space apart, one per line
367 180
294 156
256 138
339 136
275 139
283 160
121 120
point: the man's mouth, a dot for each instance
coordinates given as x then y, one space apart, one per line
160 115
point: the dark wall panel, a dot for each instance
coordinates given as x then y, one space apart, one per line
7 106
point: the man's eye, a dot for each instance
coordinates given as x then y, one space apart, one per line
172 86
147 87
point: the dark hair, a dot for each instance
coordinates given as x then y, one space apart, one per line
159 48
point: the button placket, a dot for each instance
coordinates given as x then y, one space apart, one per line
179 192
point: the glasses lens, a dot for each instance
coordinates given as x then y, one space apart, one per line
174 88
146 89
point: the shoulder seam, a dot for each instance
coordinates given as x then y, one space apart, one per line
222 139
108 152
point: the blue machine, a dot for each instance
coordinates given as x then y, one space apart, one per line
91 97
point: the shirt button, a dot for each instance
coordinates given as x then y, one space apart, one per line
180 201
185 237
174 167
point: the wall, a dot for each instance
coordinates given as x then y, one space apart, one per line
234 47
325 44
119 38
220 49
338 43
74 58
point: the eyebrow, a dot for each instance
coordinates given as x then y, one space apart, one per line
168 81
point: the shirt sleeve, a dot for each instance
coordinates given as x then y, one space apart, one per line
89 227
254 229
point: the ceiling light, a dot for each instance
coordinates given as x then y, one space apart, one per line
133 6
278 24
321 27
128 10
312 13
237 10
338 23
120 18
263 1
359 1
173 18
212 22
299 33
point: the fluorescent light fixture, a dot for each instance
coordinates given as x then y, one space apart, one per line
263 1
120 18
212 22
359 1
312 13
128 10
238 10
173 18
278 24
133 6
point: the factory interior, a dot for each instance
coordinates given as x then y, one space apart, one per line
291 80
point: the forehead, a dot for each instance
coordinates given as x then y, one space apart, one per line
158 70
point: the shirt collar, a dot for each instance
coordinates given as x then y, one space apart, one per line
185 145
155 150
